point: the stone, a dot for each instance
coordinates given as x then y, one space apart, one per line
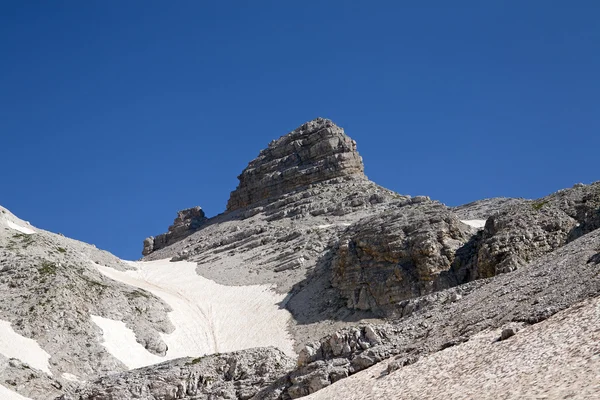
396 255
235 375
507 332
187 222
315 152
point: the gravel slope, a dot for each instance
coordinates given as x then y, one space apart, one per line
556 359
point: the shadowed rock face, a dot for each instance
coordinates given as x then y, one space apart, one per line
316 151
397 255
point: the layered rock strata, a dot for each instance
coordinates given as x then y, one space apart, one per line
235 375
187 222
315 152
398 254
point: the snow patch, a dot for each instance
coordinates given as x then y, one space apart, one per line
475 223
71 377
120 341
330 225
208 317
13 345
7 394
22 229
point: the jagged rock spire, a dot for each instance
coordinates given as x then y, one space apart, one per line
316 151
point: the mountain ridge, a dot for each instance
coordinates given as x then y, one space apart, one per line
358 274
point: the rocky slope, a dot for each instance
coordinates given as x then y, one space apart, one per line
365 275
49 289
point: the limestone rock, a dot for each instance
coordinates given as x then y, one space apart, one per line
187 222
556 281
483 209
236 375
526 230
397 254
316 151
582 203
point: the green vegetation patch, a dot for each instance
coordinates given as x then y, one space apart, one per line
47 268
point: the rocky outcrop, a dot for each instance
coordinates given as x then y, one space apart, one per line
483 209
316 151
513 238
187 222
581 202
397 254
235 375
447 318
526 230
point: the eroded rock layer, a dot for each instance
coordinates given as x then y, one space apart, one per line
316 151
398 254
187 222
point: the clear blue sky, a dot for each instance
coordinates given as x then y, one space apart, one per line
116 114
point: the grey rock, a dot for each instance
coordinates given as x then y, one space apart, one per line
316 151
49 288
554 282
236 375
483 209
187 222
397 254
523 231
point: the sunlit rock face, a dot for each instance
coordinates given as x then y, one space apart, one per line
316 151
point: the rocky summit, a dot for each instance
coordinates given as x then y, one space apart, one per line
316 151
314 282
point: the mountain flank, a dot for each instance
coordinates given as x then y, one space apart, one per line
314 281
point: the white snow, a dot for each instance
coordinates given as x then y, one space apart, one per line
71 377
330 225
475 223
119 340
13 345
208 317
7 394
22 229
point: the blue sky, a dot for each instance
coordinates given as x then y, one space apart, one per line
114 115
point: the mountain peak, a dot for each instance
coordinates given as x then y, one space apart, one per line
316 151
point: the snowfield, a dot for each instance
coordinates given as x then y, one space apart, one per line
208 317
120 342
475 223
13 345
22 229
7 394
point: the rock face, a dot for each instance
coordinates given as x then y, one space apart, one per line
526 230
316 151
187 222
398 254
236 375
444 319
581 202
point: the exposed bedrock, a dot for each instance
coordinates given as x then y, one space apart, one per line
235 375
187 222
524 231
316 151
397 255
